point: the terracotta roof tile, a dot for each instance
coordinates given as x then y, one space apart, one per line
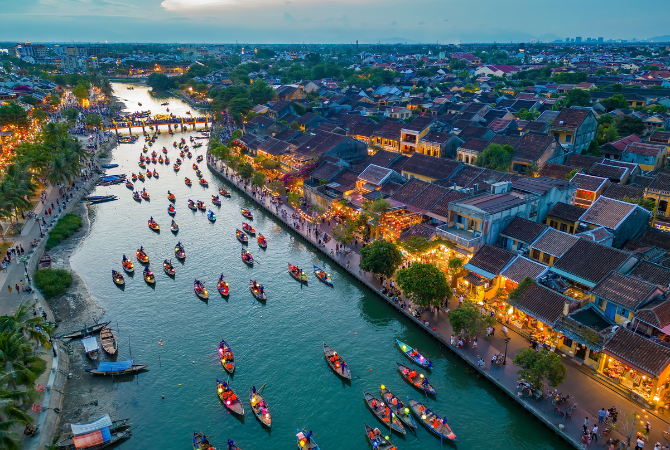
623 290
441 208
590 261
542 303
608 212
565 211
638 351
587 182
555 242
524 230
652 273
613 173
656 313
491 259
558 171
621 191
523 267
410 190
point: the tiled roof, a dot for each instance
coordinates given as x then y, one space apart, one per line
430 166
542 303
623 290
437 138
326 171
590 261
475 145
491 259
501 139
656 313
557 171
521 268
608 212
418 230
554 242
583 161
565 211
660 136
382 158
621 191
493 203
539 185
345 181
620 144
531 147
431 195
473 132
587 182
643 181
441 208
643 354
655 237
410 190
661 183
463 177
523 230
613 173
374 174
363 129
652 273
570 117
419 124
641 148
499 125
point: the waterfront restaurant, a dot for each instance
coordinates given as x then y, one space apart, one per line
484 280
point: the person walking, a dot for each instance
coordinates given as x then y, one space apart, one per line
594 432
586 425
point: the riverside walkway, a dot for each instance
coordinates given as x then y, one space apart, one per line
590 394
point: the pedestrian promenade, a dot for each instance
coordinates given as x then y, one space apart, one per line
589 394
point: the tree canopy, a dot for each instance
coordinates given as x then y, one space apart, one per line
381 257
496 157
424 284
469 320
627 125
536 366
14 115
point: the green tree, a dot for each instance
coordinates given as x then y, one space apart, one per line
469 320
23 322
14 115
39 115
524 114
657 109
627 125
496 157
600 72
606 119
381 257
80 91
219 151
578 97
159 82
536 366
606 134
260 92
94 120
245 170
424 284
615 102
454 265
593 149
344 233
70 114
258 180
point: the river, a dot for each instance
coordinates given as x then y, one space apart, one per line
278 343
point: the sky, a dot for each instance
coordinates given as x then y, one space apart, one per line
328 21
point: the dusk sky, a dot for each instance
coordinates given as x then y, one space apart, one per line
319 21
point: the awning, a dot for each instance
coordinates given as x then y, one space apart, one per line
481 272
97 424
90 344
88 440
115 366
475 279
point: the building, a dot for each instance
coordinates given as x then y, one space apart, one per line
411 133
574 128
429 168
551 246
620 296
521 233
589 188
485 268
439 144
624 220
648 156
533 151
564 217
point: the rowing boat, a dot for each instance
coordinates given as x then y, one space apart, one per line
201 205
148 275
259 407
199 288
229 398
226 357
188 182
336 362
179 251
384 413
174 227
84 331
246 213
108 341
154 225
305 442
297 273
257 290
201 442
67 443
211 216
248 229
216 200
247 258
418 380
127 265
322 275
203 182
262 242
402 412
168 268
376 439
239 234
117 278
436 424
142 256
171 197
191 205
223 287
117 368
414 355
136 196
224 192
171 210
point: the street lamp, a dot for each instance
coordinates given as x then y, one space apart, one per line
507 339
24 260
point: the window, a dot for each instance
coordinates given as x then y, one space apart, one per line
567 342
553 224
546 258
535 254
557 136
568 138
459 218
564 227
571 228
599 302
622 312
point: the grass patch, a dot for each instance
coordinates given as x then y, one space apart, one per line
5 246
65 227
102 155
52 282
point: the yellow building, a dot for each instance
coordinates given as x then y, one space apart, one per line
659 192
551 246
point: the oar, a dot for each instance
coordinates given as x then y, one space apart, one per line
260 391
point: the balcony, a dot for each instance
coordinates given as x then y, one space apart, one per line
463 238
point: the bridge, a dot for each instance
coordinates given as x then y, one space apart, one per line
143 123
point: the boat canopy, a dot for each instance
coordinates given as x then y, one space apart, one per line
90 344
85 428
115 366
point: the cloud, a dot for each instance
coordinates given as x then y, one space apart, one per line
288 17
393 23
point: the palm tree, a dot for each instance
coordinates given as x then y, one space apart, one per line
17 356
31 327
11 415
52 132
59 171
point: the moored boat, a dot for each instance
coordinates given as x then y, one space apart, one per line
228 397
297 273
168 268
216 200
117 278
257 290
336 362
226 357
401 410
322 275
305 441
129 184
117 368
104 422
377 440
91 347
211 216
108 341
262 242
86 331
384 413
418 380
431 420
414 355
200 290
134 177
241 236
246 213
259 407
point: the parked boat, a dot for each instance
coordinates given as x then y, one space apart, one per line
262 242
226 357
246 213
418 380
257 290
377 440
398 406
431 420
108 341
414 355
260 407
91 347
384 413
117 368
114 427
336 362
87 330
228 397
297 273
322 275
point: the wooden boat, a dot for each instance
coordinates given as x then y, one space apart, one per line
200 291
195 167
179 161
200 157
305 443
260 408
174 227
165 150
167 161
418 380
108 341
117 278
91 347
248 229
262 242
142 166
241 236
153 225
414 355
246 213
189 154
44 262
140 176
383 413
247 258
134 177
176 167
377 440
67 442
402 412
145 195
336 362
171 197
199 175
224 192
201 442
149 174
168 268
201 205
155 174
148 275
160 159
127 264
171 210
191 205
322 275
188 182
228 397
179 250
211 216
297 274
116 437
216 200
257 290
436 424
117 368
87 330
223 287
226 357
136 196
129 184
154 160
142 256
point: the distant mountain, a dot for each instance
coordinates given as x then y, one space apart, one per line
549 37
664 38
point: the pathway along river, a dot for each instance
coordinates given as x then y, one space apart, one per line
278 343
